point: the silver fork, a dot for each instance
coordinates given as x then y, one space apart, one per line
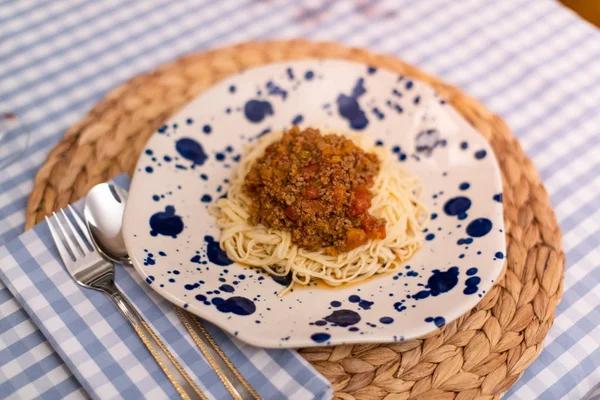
90 270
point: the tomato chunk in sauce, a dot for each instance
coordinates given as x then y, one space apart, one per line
318 188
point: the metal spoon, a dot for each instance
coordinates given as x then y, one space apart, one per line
98 273
103 212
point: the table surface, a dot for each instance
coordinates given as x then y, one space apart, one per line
535 63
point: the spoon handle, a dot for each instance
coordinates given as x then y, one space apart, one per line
233 380
183 383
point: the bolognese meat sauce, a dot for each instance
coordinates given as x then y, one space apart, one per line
317 187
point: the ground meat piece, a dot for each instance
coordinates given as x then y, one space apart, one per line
316 187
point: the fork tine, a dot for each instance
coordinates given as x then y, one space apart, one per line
62 250
74 234
70 244
82 226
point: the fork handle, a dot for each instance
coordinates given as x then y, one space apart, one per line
183 383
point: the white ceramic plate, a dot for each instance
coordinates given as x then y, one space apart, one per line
173 241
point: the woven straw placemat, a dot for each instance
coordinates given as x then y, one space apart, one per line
480 355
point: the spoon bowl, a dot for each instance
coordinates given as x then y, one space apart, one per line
103 212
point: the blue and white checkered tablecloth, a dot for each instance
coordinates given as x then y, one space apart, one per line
531 61
103 351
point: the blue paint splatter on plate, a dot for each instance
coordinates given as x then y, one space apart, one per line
257 110
479 227
214 253
320 337
191 150
237 305
166 223
343 318
349 108
438 321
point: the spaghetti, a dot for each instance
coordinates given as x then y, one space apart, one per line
396 199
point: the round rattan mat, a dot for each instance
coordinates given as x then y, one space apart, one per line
480 355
